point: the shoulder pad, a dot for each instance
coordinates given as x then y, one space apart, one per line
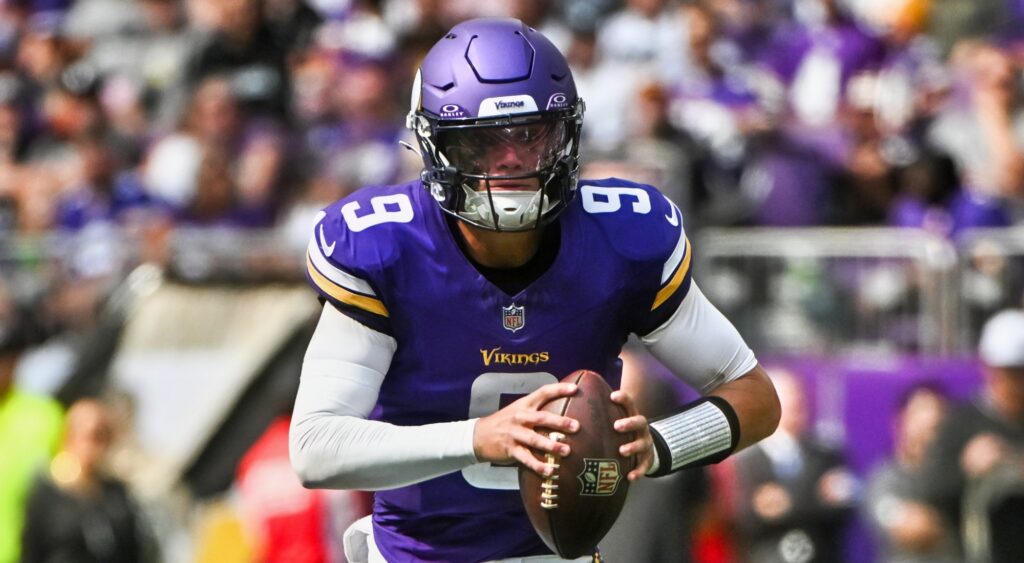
643 226
638 220
354 240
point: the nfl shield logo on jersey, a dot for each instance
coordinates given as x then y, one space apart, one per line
512 317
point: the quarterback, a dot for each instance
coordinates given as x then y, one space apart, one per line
454 304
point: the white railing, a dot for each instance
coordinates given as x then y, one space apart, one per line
991 276
831 290
801 291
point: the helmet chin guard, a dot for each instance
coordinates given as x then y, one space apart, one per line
511 210
489 89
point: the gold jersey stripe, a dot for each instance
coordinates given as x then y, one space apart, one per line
368 304
676 280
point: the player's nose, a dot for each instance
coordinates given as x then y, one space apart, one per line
507 160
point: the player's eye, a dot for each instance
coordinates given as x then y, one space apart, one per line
466 156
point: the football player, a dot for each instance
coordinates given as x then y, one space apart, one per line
456 302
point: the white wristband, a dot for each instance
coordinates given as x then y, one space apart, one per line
704 432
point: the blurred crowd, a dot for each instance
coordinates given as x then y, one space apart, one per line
946 487
254 113
150 116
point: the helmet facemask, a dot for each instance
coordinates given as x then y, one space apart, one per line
514 173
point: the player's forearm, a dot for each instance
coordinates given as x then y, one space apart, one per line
331 443
346 452
703 348
756 404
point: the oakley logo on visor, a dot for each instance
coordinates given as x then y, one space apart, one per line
506 105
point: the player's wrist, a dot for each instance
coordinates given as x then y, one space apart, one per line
474 442
703 432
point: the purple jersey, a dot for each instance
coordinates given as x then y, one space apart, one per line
386 257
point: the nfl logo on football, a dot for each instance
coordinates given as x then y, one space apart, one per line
512 317
600 477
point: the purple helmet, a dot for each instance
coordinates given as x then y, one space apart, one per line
495 111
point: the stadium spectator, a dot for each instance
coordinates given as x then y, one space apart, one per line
606 90
29 428
97 192
655 145
214 196
357 145
907 530
14 141
979 127
645 39
542 16
141 48
930 196
715 104
910 80
977 458
817 58
258 174
243 50
219 166
292 24
801 175
751 25
795 493
15 116
953 21
75 512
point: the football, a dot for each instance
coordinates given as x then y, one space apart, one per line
574 508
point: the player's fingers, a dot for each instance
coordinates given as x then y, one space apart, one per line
549 392
631 424
621 397
530 461
644 460
640 471
547 420
640 446
539 442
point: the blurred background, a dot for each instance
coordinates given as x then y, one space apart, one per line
851 173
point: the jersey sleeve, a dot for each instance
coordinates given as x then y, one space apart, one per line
341 265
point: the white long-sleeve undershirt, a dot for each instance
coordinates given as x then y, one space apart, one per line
332 445
699 345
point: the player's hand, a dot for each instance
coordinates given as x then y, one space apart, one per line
643 445
509 434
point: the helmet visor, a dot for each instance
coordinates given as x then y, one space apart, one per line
504 150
